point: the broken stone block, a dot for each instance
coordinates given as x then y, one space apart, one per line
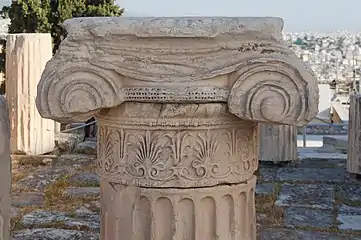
66 142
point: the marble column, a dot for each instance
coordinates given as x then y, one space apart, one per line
26 56
278 143
178 102
354 136
5 171
165 162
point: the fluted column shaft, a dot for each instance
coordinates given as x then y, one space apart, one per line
354 135
26 56
278 143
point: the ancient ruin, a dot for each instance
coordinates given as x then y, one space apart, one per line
354 136
178 101
278 143
5 170
26 56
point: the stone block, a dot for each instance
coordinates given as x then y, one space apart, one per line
315 196
334 144
330 175
66 142
306 217
278 143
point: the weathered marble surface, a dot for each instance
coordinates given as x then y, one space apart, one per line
134 59
278 143
26 56
5 170
178 102
354 136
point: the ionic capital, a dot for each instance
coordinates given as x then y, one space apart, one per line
244 62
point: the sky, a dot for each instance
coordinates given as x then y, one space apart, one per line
301 15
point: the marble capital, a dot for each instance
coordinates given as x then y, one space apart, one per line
242 62
178 102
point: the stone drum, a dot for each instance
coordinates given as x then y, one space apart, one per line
5 170
178 102
26 56
354 137
278 143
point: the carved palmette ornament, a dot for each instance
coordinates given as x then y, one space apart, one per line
244 62
147 152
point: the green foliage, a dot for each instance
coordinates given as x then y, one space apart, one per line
300 42
47 16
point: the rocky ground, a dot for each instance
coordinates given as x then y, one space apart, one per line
311 198
56 197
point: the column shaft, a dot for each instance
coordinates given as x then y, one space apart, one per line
5 171
354 135
26 56
278 143
173 171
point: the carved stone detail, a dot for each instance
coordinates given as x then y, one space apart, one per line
75 83
134 153
254 68
275 91
226 212
178 101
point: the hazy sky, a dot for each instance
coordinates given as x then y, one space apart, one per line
318 15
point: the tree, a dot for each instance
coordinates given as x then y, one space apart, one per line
47 16
299 42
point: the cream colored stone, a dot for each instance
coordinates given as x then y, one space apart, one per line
168 161
278 143
242 61
169 213
354 135
5 171
26 56
57 127
176 145
178 102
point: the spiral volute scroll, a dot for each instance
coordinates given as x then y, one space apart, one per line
274 91
76 91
